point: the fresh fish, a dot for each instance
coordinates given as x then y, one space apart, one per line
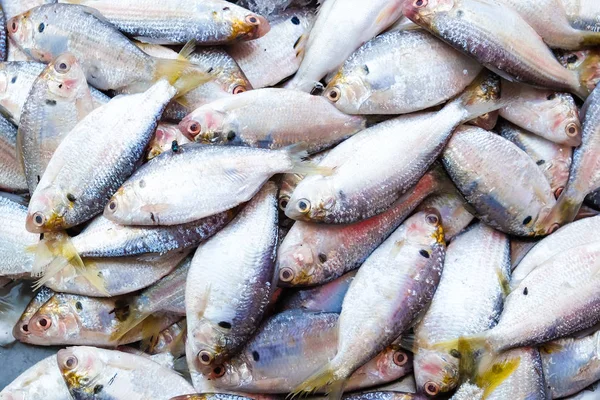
297 117
97 156
400 72
477 161
21 327
268 364
272 58
58 100
368 177
499 38
571 364
553 159
290 181
452 208
340 28
546 113
228 291
177 22
42 381
14 299
167 137
217 177
313 254
45 32
473 286
92 373
12 178
398 280
16 80
16 256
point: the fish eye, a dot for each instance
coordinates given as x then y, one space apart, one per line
283 202
420 3
193 127
205 357
24 329
432 219
39 219
303 206
43 323
400 358
218 371
334 94
572 129
112 206
41 27
62 67
432 388
239 89
286 274
71 362
558 191
252 20
14 26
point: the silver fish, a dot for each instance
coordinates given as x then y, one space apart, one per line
583 14
16 260
12 8
16 80
41 381
12 178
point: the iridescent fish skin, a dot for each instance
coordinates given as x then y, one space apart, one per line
179 21
16 260
21 328
277 55
12 176
399 73
41 381
452 207
163 139
16 80
477 161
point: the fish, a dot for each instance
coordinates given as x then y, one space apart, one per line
158 192
368 178
171 340
166 137
400 72
546 113
21 327
210 396
290 181
227 292
583 14
502 41
399 280
13 8
297 118
272 7
91 372
473 285
47 31
16 80
42 380
477 161
12 178
384 395
452 207
519 247
16 260
341 28
58 100
571 364
208 22
14 299
73 189
553 159
277 55
313 254
268 364
585 60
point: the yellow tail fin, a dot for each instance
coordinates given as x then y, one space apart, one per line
135 318
325 378
53 253
93 276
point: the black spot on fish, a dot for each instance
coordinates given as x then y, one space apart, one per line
38 179
455 353
424 253
225 8
210 70
224 324
459 13
295 20
71 198
572 58
527 220
322 257
79 306
525 291
152 217
50 102
41 236
60 86
551 96
98 389
13 80
295 44
366 69
255 355
541 162
174 146
110 382
230 135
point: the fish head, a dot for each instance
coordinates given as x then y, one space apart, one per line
163 139
243 24
423 12
313 200
389 365
21 328
234 373
435 371
20 30
54 321
425 229
28 31
8 102
81 370
205 125
297 264
585 62
47 210
64 77
124 205
564 117
209 343
348 92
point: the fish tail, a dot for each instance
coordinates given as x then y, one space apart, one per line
492 373
4 305
52 254
564 211
298 154
470 350
588 73
91 273
180 70
482 96
151 328
135 317
325 377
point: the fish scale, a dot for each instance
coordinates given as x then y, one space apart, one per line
15 261
12 177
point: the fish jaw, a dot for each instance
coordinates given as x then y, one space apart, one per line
435 369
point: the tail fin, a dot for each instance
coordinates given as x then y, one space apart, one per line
588 71
495 373
469 350
93 276
4 306
192 77
134 318
323 378
53 253
298 154
482 96
174 70
564 211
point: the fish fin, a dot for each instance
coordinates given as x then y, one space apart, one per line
298 154
91 273
151 328
482 96
408 342
191 77
495 374
53 253
183 101
324 377
396 248
5 305
187 49
170 69
469 349
550 347
588 73
135 318
564 211
504 282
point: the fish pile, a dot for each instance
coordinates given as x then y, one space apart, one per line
367 200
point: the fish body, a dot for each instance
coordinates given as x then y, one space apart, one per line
16 80
16 260
43 380
12 178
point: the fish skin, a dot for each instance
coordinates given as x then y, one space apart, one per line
294 117
546 113
12 178
16 80
571 364
477 262
112 144
113 374
15 260
357 189
498 37
553 159
42 380
57 101
163 139
284 45
399 73
224 305
586 61
280 367
477 161
399 281
208 22
384 395
290 181
340 28
13 8
318 253
21 328
590 393
211 396
452 207
583 14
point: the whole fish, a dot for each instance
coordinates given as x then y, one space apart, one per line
91 373
45 32
97 156
268 364
400 72
398 280
546 113
553 159
340 28
21 327
571 364
476 273
269 60
477 161
58 100
368 178
43 380
228 291
313 254
167 137
16 258
12 177
499 38
297 117
16 80
452 208
217 177
176 22
14 299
